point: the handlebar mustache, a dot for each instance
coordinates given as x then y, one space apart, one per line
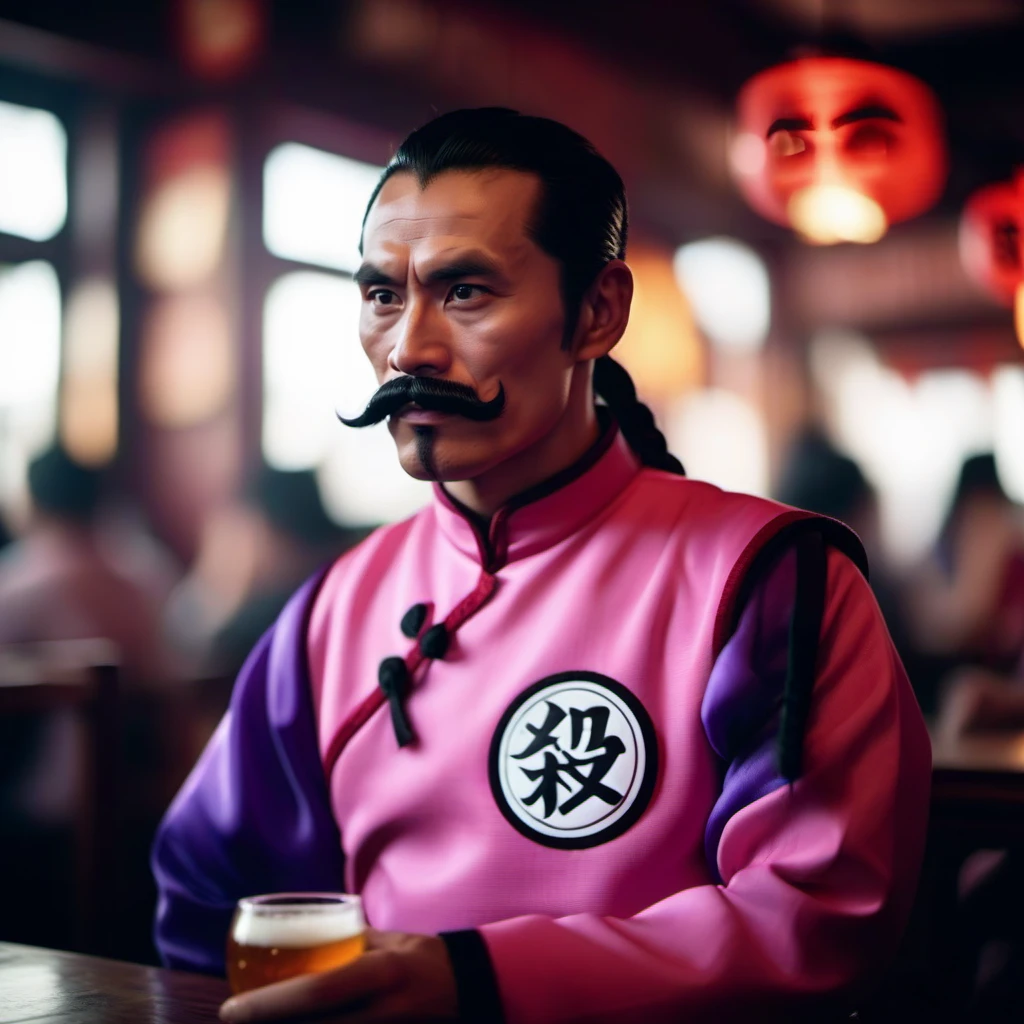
428 393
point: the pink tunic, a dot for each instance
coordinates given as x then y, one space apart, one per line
579 790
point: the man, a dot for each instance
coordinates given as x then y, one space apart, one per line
536 725
59 582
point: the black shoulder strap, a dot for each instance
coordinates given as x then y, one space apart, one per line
810 536
802 657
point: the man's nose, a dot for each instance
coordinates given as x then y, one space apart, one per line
422 347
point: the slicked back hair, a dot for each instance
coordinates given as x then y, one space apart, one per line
581 221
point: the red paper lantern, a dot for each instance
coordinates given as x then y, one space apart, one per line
838 148
990 239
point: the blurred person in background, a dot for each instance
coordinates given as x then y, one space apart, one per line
969 596
816 476
295 537
59 583
967 602
253 554
970 605
538 725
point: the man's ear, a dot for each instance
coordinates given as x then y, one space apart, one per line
604 312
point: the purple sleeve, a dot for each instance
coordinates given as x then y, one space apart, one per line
742 703
254 816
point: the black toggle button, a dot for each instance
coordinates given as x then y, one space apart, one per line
413 619
434 643
393 677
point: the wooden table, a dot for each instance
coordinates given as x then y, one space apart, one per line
978 789
977 803
38 986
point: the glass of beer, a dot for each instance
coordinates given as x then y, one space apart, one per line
284 934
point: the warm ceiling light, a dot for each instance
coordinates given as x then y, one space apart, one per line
221 38
183 228
187 372
827 214
661 348
88 400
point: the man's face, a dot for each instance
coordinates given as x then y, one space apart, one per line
454 288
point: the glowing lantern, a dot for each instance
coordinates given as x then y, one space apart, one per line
990 244
990 230
837 148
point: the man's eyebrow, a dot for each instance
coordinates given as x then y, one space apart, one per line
470 265
370 273
867 112
789 124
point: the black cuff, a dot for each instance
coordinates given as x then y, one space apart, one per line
475 981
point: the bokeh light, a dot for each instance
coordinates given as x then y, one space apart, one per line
313 205
33 172
910 437
827 214
89 411
30 321
183 227
728 287
721 438
187 373
661 348
313 365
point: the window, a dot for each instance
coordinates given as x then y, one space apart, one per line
314 204
727 284
30 326
33 209
33 172
313 365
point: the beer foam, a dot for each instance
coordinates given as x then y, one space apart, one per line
293 929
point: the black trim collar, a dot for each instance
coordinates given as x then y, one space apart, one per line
490 534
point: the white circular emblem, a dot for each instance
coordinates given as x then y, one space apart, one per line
574 760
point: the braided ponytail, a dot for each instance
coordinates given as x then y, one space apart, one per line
614 384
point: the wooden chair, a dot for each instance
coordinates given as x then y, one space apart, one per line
81 677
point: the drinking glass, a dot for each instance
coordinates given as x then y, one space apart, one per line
281 935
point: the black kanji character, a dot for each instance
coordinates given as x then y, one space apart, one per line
609 748
544 735
549 783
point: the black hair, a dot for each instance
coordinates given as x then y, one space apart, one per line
290 499
581 221
816 476
62 487
979 477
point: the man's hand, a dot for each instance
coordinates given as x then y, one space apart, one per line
399 978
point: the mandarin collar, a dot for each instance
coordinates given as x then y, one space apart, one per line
545 514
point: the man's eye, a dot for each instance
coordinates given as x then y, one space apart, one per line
465 292
382 297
